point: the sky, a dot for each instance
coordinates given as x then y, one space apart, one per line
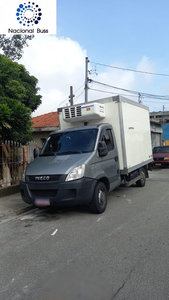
116 36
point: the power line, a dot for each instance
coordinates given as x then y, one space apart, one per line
82 92
60 103
125 69
166 97
112 93
67 98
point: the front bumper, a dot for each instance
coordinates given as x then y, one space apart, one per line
160 162
66 193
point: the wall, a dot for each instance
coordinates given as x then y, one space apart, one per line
38 138
41 133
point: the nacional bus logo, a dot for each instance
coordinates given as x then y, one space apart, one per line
28 14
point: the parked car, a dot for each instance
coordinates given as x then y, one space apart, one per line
161 155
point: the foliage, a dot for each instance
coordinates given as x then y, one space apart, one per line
15 120
17 83
13 46
18 98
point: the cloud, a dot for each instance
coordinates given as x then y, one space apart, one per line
124 80
113 77
146 65
57 63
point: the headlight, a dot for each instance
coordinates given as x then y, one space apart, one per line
76 173
166 158
24 175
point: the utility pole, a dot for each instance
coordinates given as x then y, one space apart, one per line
71 96
86 79
163 113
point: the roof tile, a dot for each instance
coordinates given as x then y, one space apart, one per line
46 120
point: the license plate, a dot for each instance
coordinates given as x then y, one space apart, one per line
42 202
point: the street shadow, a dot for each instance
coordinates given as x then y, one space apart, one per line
53 212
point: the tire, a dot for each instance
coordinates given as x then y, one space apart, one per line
99 201
141 182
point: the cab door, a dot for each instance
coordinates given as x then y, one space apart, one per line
109 164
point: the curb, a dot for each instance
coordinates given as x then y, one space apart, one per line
10 190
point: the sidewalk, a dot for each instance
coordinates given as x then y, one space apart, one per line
11 205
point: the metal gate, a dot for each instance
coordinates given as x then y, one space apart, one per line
13 160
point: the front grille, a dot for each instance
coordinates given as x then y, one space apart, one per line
43 193
43 178
159 159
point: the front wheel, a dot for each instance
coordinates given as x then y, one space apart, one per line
141 182
99 201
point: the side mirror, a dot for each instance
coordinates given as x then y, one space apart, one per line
35 152
102 148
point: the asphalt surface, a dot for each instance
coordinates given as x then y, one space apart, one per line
72 254
12 205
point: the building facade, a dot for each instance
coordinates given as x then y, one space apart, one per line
42 126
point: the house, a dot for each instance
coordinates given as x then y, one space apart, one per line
156 133
42 126
160 116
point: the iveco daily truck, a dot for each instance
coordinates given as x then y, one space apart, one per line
100 144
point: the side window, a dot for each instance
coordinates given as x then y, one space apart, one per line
107 137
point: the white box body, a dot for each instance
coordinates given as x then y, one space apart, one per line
131 125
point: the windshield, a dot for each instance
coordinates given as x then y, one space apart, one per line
161 150
70 142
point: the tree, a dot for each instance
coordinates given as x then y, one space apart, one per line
18 99
15 121
13 46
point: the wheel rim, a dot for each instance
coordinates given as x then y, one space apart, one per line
143 178
101 197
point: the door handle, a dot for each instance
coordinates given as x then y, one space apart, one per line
116 158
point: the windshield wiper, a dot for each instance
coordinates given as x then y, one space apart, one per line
49 153
70 152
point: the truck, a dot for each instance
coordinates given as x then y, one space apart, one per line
100 145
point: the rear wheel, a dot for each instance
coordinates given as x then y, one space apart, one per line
141 182
99 201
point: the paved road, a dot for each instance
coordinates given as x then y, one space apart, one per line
73 254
